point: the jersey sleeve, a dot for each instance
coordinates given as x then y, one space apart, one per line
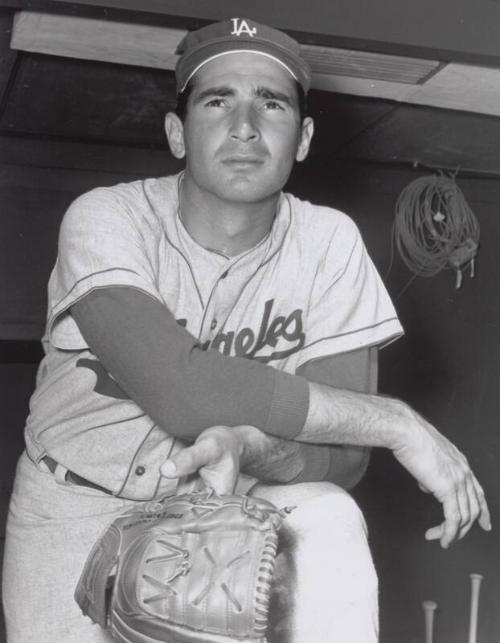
100 245
183 388
349 305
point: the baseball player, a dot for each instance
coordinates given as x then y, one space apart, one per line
211 324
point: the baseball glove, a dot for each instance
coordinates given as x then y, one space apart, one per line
191 568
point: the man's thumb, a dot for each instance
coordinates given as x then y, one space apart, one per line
169 469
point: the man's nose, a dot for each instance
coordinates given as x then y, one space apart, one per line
244 126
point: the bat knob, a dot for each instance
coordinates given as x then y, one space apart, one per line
429 605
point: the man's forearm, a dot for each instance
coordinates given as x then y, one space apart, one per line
353 371
273 459
159 364
338 416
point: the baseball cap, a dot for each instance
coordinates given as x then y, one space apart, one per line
238 35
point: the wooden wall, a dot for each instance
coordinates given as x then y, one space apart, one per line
447 365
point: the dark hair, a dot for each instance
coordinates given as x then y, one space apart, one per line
182 101
183 98
302 101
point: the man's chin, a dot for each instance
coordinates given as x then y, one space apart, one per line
248 188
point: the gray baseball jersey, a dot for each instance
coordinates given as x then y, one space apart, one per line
307 290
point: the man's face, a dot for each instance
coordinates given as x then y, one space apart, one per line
242 131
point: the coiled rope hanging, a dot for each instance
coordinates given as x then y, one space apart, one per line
434 227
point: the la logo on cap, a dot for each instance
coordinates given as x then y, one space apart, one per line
240 27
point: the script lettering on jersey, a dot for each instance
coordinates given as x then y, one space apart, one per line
105 384
285 331
241 26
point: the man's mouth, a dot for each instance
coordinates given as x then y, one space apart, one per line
243 160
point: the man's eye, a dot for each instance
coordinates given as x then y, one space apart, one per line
215 102
272 105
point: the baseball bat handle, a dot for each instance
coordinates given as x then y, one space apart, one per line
475 580
429 609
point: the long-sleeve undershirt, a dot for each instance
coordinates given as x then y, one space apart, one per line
183 388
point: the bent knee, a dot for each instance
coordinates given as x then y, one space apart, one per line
296 494
330 509
317 505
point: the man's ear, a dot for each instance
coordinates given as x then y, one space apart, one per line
174 129
305 138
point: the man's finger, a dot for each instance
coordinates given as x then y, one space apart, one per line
191 459
484 513
221 484
466 504
434 533
460 515
473 506
478 507
452 520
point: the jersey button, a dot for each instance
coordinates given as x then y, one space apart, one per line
213 325
140 471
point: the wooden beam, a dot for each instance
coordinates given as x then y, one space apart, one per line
127 43
96 39
369 74
450 30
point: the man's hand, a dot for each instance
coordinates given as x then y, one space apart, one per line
441 469
339 416
215 455
220 453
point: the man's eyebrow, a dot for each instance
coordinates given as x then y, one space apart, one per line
210 92
272 94
261 91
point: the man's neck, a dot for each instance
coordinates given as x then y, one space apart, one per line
229 228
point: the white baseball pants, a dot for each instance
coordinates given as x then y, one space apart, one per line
51 528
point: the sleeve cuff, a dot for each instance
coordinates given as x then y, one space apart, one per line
316 464
289 406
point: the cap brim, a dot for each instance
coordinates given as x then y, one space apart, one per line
257 52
